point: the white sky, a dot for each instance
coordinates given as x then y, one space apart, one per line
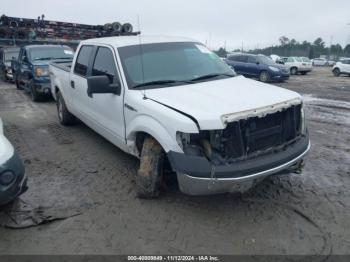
255 23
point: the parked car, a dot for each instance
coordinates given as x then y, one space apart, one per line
342 67
13 181
6 55
31 70
297 65
171 100
258 66
322 62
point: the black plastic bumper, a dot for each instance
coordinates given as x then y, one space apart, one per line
197 166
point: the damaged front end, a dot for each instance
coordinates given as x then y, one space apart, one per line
248 149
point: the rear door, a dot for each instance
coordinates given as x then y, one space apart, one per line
346 66
77 90
253 67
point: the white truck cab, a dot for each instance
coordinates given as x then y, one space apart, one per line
170 99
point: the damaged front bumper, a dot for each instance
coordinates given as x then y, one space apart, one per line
197 176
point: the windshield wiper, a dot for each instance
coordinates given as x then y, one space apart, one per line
44 58
161 82
70 58
210 76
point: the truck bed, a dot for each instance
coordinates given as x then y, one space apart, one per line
59 74
64 65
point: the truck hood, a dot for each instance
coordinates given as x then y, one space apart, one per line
214 103
47 62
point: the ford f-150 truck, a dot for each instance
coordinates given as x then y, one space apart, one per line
31 69
172 102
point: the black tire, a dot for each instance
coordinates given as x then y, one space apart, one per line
336 72
150 174
18 85
303 73
294 71
33 93
2 76
264 76
64 116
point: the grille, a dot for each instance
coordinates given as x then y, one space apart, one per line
253 135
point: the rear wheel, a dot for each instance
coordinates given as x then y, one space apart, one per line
64 116
150 174
264 76
294 71
336 72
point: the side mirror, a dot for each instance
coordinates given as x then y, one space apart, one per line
101 85
257 62
25 59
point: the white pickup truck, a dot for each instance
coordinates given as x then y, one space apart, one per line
170 100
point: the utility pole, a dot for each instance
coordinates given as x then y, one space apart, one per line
242 47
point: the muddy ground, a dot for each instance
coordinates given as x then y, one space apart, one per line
75 173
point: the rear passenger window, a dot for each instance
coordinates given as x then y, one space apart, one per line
252 59
104 64
82 63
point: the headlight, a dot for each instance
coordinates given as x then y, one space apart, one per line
6 178
41 71
275 69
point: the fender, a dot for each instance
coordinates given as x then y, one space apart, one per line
148 124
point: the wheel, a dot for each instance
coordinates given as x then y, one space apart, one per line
264 76
336 72
303 73
150 174
294 71
18 85
64 116
33 93
2 76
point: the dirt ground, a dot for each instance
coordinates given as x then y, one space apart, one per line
76 173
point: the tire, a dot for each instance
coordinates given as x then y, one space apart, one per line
303 73
18 85
2 76
33 93
336 72
150 174
264 76
294 71
64 116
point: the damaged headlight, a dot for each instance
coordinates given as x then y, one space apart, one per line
182 139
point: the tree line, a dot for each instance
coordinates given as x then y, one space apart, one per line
291 47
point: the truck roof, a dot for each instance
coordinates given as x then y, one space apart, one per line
42 46
121 41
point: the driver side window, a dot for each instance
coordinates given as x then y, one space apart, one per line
104 65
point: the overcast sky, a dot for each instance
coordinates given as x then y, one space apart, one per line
255 23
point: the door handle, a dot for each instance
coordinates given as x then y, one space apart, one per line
72 84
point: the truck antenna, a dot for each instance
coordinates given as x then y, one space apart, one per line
141 55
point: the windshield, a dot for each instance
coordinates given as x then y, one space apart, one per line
298 59
265 60
51 52
168 64
9 55
305 59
